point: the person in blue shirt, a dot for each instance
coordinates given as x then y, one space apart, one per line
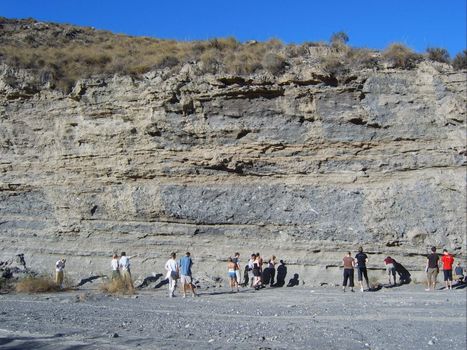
185 274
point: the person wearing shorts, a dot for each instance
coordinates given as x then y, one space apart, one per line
432 269
362 259
232 274
447 261
390 269
349 264
185 274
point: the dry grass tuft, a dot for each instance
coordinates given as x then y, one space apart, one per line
401 56
117 286
37 284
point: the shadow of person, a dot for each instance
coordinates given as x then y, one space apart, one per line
281 273
293 281
375 288
148 280
162 283
87 280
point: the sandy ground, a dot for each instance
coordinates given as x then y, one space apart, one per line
405 317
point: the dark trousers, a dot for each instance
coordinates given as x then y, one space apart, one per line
272 273
348 276
362 273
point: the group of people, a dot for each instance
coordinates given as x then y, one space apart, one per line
257 276
359 262
254 273
432 269
121 269
180 269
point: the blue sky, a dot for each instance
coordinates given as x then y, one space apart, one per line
368 23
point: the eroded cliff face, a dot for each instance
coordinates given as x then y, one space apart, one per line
298 166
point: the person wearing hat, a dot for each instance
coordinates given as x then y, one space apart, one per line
59 267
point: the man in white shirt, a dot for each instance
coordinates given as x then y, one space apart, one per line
172 269
59 267
124 266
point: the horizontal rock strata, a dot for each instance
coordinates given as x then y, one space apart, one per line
299 167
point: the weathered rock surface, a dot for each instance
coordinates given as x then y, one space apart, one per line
300 167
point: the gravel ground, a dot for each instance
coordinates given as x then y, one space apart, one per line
405 317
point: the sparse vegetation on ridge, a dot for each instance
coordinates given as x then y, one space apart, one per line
61 54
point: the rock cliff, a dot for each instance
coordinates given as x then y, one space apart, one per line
300 166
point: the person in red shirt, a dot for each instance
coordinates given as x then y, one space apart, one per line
390 269
447 261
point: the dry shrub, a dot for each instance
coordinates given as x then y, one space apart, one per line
333 63
438 54
361 58
401 56
37 284
211 60
273 62
117 286
460 61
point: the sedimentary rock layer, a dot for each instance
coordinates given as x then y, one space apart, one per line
298 166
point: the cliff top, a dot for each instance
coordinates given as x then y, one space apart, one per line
61 54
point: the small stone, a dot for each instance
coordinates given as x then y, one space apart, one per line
114 335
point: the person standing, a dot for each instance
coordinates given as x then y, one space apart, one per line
281 274
172 269
362 259
125 272
272 269
232 274
251 265
349 264
59 272
257 271
114 266
390 269
447 260
236 261
432 269
185 274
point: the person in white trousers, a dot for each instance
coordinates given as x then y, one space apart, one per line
172 268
